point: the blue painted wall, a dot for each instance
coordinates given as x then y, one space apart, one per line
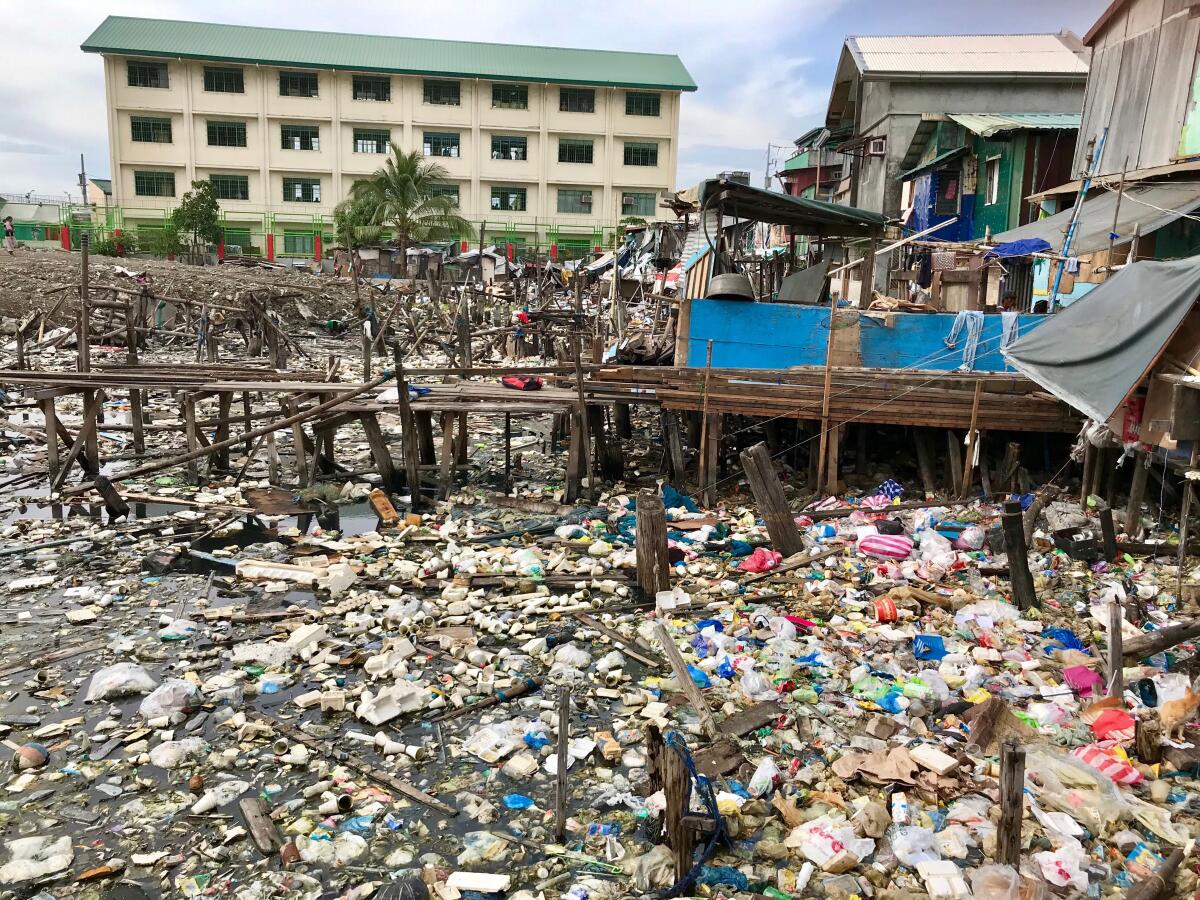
924 187
781 335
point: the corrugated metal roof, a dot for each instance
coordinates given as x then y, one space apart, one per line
975 54
381 53
1148 206
932 164
987 124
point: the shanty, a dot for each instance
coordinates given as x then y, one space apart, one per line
444 458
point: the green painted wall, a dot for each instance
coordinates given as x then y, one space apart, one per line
1005 209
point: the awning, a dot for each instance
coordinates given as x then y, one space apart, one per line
1147 206
813 217
932 164
1097 350
987 124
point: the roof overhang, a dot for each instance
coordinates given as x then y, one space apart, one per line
934 163
812 217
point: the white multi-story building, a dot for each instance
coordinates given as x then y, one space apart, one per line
537 142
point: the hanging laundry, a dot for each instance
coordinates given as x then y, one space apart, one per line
1008 328
972 321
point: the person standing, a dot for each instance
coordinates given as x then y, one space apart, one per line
10 236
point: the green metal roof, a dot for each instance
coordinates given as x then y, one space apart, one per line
105 184
932 164
987 124
381 53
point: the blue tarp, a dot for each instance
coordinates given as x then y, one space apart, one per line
1018 248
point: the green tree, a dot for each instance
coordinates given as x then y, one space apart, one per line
402 194
199 214
163 241
353 229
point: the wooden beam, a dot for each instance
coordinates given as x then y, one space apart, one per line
653 567
772 504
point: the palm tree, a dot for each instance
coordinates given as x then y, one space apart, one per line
402 194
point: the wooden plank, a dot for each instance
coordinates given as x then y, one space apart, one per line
91 412
261 826
379 451
772 504
690 690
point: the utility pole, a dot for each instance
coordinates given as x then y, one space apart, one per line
83 180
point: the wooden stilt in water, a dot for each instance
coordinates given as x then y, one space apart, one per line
1012 803
925 460
772 504
1137 493
653 567
953 463
674 445
1013 523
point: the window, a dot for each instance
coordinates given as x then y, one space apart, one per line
298 243
230 187
224 81
574 201
154 184
150 131
236 238
297 84
507 147
372 87
571 150
637 204
641 154
440 189
511 198
576 100
227 134
946 199
300 137
640 103
302 190
440 143
371 140
442 93
992 179
510 96
146 74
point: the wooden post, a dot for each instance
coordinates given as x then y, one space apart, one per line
224 414
51 421
560 794
676 786
427 449
83 437
954 462
710 457
298 445
621 420
653 567
84 334
1012 803
674 445
367 344
135 395
1157 885
1137 491
1116 663
20 347
581 415
447 457
1018 556
689 688
1185 511
925 460
1085 478
113 502
772 504
507 454
866 272
832 463
273 466
705 477
408 432
193 438
972 437
379 451
1109 531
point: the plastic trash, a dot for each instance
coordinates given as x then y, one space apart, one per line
765 778
995 882
173 696
913 844
119 680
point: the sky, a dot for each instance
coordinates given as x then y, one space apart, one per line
764 69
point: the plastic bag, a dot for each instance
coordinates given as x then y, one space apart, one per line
765 777
886 546
756 687
170 754
119 681
913 844
570 654
172 696
971 538
480 847
995 882
824 838
761 560
1065 866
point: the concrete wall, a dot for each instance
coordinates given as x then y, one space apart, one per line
336 114
893 109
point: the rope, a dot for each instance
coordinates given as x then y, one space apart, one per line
674 740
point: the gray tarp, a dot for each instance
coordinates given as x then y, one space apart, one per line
1097 350
1096 217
